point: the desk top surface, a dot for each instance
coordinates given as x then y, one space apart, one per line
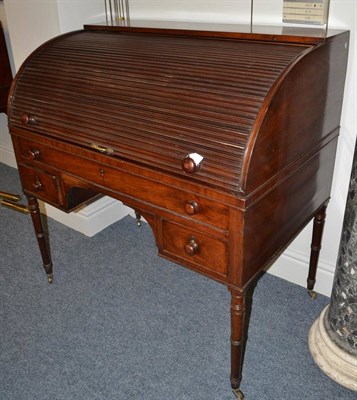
237 31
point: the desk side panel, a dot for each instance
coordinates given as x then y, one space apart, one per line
305 109
285 211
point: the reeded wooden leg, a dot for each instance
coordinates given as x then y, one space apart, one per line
319 223
238 311
41 236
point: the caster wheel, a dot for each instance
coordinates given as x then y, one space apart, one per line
50 278
238 394
312 294
138 218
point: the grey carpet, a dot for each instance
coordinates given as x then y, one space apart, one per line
121 323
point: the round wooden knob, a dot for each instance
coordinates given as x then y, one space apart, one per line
28 119
37 186
34 154
189 165
192 247
192 207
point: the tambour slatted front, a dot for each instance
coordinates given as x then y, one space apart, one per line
223 140
167 95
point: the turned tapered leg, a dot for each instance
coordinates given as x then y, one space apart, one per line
41 236
238 314
319 223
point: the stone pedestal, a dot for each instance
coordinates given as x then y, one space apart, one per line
335 362
333 337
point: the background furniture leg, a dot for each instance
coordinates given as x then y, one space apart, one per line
138 218
319 223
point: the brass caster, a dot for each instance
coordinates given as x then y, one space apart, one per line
50 278
238 393
312 294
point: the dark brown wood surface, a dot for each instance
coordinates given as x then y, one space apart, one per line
124 112
268 33
182 103
5 72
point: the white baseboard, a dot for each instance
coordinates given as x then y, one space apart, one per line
90 219
7 155
293 266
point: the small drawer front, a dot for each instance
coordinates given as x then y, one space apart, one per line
31 151
207 252
43 185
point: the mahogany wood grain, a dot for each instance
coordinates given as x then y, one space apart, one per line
306 99
224 141
221 30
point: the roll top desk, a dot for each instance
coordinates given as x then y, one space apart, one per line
224 140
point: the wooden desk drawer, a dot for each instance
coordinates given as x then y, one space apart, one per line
43 185
173 199
207 252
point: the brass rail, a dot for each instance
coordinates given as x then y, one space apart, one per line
9 196
10 200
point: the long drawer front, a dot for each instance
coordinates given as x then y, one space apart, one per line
173 199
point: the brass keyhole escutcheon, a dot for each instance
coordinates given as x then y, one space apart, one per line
102 172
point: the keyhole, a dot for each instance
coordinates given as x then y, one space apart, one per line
101 172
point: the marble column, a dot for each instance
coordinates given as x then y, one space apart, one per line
333 336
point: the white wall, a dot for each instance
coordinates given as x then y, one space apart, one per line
6 150
31 22
191 10
73 14
27 24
